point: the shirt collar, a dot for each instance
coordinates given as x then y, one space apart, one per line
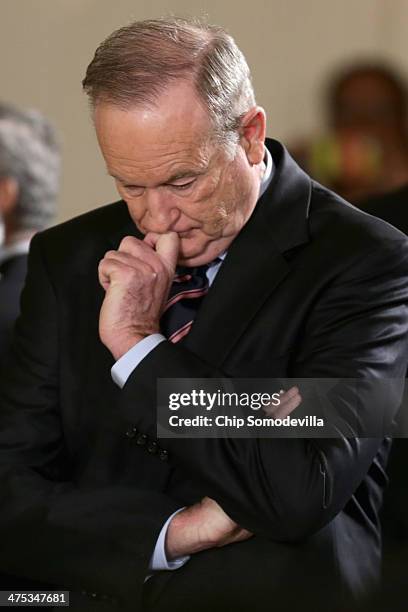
267 177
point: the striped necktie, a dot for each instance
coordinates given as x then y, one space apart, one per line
190 285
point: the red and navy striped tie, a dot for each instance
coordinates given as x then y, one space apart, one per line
190 285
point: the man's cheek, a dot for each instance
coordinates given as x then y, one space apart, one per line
136 210
207 191
217 223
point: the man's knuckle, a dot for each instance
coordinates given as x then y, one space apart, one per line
129 242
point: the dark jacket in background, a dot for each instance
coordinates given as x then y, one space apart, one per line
12 275
392 207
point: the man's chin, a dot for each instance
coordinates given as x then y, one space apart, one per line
191 261
192 255
196 255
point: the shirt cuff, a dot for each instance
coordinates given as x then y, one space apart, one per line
159 560
124 366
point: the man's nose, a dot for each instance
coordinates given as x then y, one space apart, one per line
161 209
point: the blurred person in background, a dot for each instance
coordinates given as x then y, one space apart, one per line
366 150
29 180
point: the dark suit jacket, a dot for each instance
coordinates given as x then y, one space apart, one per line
311 287
393 208
12 275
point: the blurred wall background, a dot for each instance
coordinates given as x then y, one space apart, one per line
291 46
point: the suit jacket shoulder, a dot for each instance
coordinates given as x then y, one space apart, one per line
80 243
350 229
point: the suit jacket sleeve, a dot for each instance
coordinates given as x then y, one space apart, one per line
287 489
50 529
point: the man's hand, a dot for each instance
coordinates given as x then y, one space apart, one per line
137 278
205 525
201 526
289 401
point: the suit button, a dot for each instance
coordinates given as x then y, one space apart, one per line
152 448
163 455
131 433
141 439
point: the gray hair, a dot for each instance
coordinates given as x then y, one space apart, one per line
135 64
29 153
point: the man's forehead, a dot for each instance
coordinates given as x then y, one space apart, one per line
150 130
178 109
165 156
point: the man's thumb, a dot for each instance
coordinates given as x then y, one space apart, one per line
167 247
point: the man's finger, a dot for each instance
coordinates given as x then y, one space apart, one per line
289 401
131 245
286 395
238 535
287 408
284 398
115 267
167 247
151 239
146 251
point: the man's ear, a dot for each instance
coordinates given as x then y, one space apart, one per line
9 191
252 134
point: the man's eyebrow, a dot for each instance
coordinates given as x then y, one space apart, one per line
174 177
185 174
117 178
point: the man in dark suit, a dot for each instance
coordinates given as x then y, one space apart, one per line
133 520
29 176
